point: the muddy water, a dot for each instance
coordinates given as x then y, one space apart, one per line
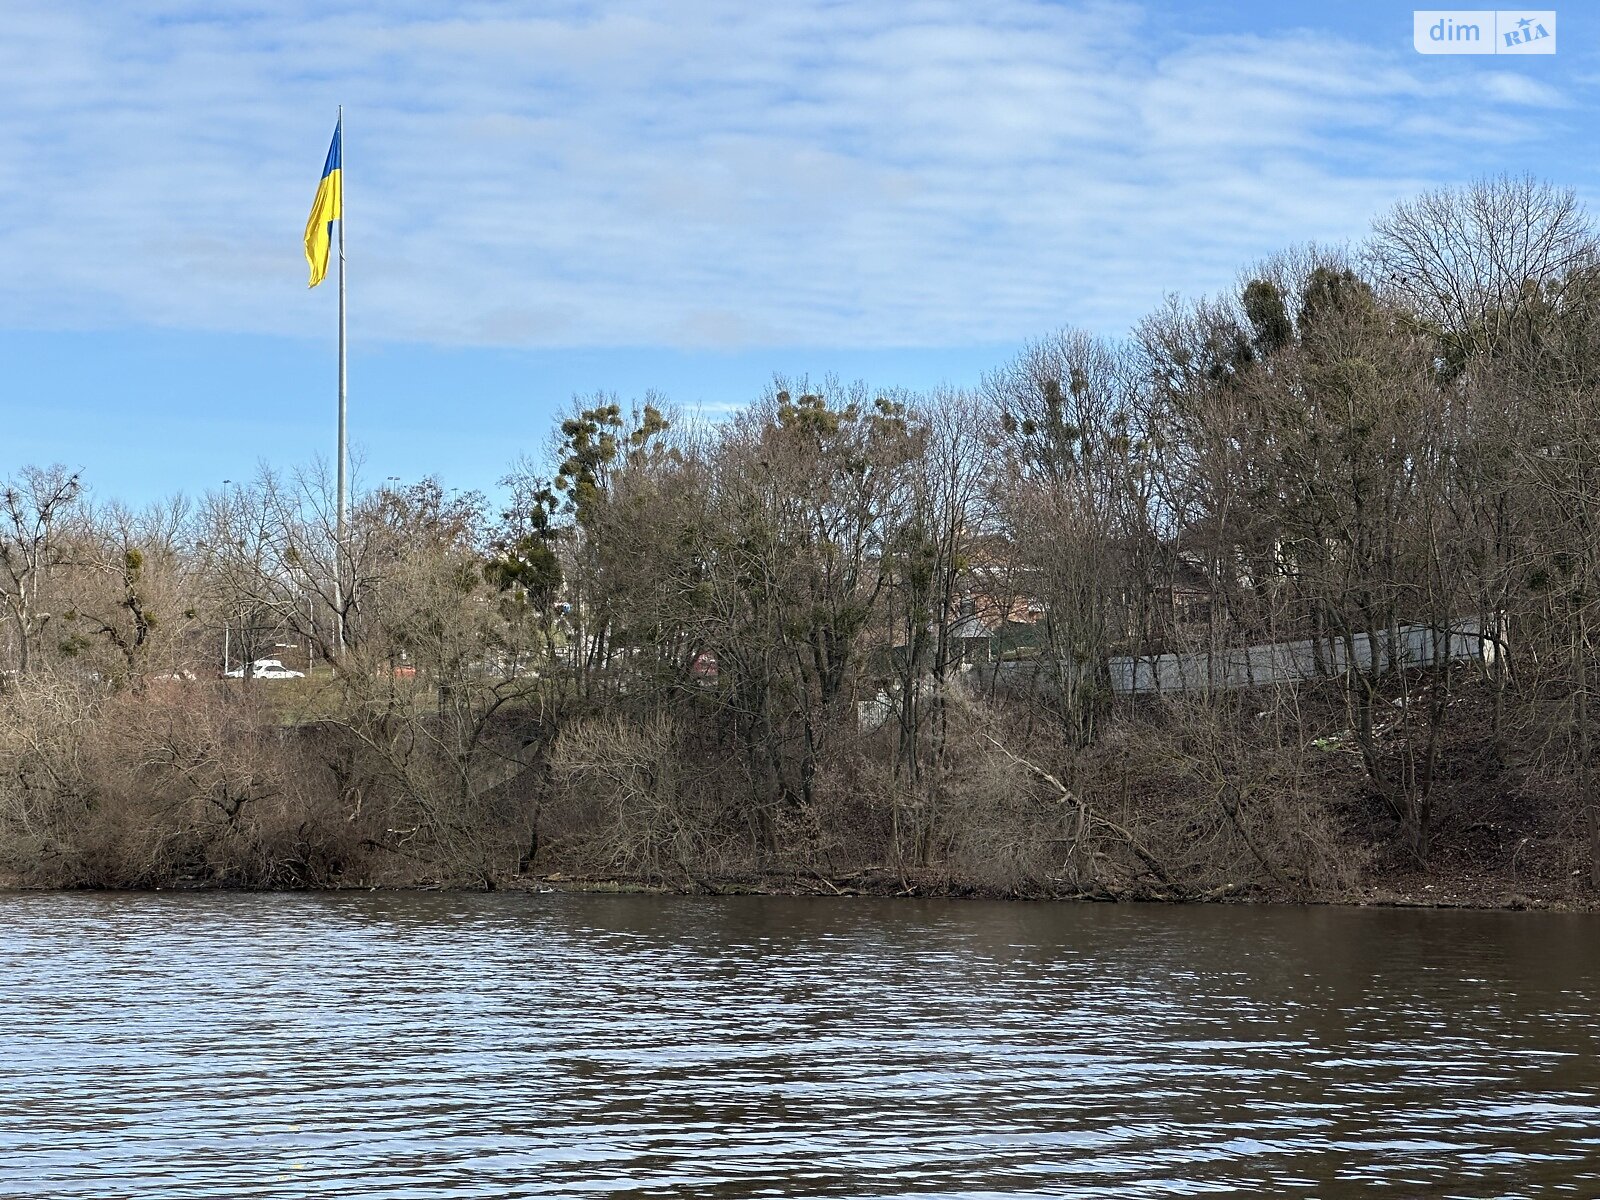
438 1045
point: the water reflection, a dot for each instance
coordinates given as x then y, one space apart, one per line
458 1045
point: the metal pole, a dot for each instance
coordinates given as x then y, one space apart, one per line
343 484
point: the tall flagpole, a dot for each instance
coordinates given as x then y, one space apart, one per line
343 484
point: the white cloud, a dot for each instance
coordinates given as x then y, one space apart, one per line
718 174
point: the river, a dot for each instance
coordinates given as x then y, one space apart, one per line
390 1045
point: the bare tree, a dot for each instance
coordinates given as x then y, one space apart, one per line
1472 260
31 507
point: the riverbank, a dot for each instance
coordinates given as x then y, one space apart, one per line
1481 895
1169 801
1424 892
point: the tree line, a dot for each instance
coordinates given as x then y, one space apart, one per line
853 637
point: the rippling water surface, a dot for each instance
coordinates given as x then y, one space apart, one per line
404 1045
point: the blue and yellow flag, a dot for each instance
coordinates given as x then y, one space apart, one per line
327 208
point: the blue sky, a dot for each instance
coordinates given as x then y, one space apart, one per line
689 197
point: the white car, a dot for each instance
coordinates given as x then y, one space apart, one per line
265 668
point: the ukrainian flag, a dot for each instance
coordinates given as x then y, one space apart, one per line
327 208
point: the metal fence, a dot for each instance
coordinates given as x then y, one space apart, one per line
1280 662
